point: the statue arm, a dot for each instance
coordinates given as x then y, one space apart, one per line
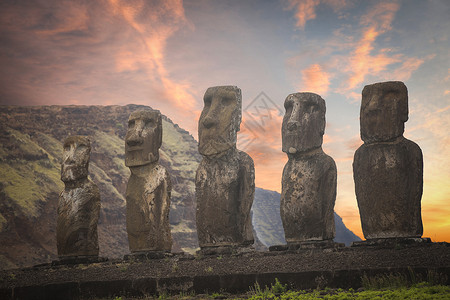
247 193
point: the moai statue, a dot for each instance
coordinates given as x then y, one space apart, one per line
79 203
387 168
309 177
149 186
225 179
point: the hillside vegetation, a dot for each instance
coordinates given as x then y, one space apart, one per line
30 156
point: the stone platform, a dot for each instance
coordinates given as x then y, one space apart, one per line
304 269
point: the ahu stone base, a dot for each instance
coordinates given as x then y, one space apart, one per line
146 255
320 245
77 260
226 250
392 242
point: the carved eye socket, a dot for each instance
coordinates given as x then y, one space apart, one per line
131 123
149 122
287 104
227 100
207 101
309 106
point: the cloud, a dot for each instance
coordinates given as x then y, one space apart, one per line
380 16
354 53
361 62
103 52
315 79
304 10
404 72
155 23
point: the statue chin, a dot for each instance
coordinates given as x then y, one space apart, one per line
138 158
298 147
70 175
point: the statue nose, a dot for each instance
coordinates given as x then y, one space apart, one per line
135 137
69 160
208 122
135 141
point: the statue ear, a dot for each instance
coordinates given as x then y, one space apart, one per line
324 122
322 128
404 110
160 131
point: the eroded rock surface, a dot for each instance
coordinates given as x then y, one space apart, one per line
387 168
79 202
225 179
309 177
149 186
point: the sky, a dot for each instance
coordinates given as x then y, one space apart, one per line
165 54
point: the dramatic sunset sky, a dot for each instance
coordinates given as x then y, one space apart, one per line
165 54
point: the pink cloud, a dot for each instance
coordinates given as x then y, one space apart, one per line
315 79
304 10
410 65
380 16
160 23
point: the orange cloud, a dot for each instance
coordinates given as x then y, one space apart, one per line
155 25
304 10
362 63
403 73
315 79
380 16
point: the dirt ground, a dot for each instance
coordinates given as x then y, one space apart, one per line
433 255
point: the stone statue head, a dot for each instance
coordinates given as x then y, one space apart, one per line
75 161
304 122
143 138
384 111
220 119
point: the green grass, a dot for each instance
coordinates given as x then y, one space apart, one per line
404 290
109 144
28 183
30 175
415 292
101 178
50 144
178 151
387 286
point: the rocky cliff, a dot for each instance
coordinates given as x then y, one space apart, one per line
30 153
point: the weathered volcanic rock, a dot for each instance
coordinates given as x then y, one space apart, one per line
388 168
149 186
384 111
309 177
79 202
225 179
